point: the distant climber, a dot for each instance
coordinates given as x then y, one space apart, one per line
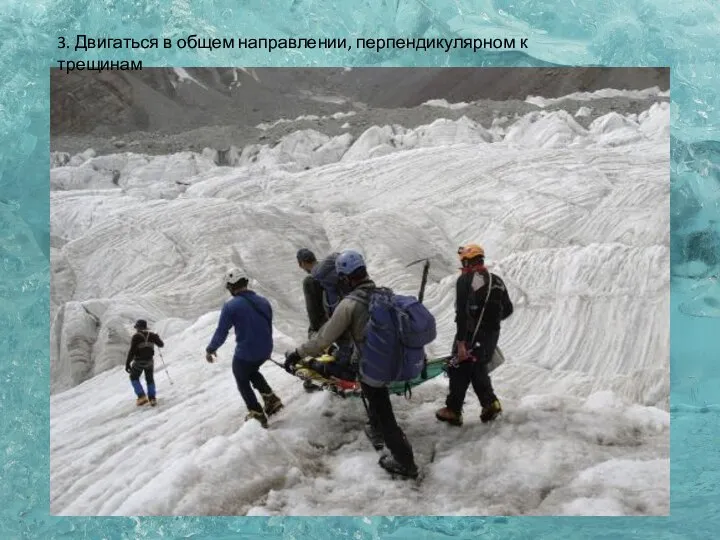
251 316
481 303
140 358
349 320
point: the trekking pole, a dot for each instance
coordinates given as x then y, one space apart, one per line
421 295
166 369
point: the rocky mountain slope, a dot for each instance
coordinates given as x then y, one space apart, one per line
156 99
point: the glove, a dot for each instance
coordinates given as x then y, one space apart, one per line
291 358
462 352
210 356
127 368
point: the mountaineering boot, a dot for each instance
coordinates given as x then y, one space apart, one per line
272 403
375 436
153 401
488 414
141 400
448 415
259 416
391 465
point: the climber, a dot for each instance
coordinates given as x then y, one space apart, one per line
140 358
322 292
479 310
348 321
313 292
251 316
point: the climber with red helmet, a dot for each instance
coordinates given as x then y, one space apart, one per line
481 303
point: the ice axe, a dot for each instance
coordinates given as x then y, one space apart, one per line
421 294
426 269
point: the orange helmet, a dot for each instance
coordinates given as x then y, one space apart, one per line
470 251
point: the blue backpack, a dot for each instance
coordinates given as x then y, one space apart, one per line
326 275
396 333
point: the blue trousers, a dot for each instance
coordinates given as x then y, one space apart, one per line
135 373
247 374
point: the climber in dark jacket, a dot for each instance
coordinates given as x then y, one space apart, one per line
140 358
313 292
474 345
322 294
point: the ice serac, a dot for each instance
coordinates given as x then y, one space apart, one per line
72 338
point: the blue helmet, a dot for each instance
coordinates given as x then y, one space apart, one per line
348 261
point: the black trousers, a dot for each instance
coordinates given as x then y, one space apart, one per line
473 373
246 374
382 418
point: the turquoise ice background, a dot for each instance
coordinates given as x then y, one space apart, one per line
683 35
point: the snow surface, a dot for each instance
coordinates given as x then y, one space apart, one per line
445 104
583 111
335 116
648 93
575 220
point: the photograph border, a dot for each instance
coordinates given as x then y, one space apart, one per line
25 288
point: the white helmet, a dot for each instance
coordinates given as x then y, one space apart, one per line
234 275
